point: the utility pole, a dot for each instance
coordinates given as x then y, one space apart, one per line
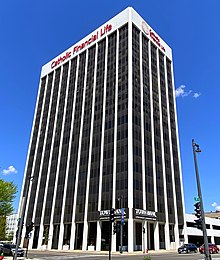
206 247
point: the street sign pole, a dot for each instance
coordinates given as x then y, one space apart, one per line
121 230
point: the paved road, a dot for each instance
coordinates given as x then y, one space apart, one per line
55 255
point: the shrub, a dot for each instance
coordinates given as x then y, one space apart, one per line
147 257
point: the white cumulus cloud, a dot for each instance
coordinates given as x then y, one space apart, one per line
11 169
216 206
182 92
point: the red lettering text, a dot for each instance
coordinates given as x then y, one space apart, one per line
107 28
156 39
60 60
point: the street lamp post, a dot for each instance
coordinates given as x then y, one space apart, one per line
206 247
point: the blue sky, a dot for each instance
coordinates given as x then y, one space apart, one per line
34 32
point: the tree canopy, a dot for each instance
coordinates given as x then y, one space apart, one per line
7 195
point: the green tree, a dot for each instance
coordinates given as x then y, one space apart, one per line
7 195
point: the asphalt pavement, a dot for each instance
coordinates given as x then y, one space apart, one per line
73 255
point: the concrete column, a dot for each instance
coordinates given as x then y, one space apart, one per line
167 236
30 243
144 236
72 237
85 236
51 229
98 236
130 140
40 236
130 235
156 236
176 234
113 240
212 237
60 242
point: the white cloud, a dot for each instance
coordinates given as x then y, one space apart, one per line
196 95
182 92
216 206
187 93
11 169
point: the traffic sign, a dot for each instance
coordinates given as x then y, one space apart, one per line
122 215
196 199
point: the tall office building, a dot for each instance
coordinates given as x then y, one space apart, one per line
105 136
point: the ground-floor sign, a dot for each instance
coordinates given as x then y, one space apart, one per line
137 214
105 214
144 214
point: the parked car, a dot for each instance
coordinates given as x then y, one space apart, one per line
213 249
9 249
186 248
